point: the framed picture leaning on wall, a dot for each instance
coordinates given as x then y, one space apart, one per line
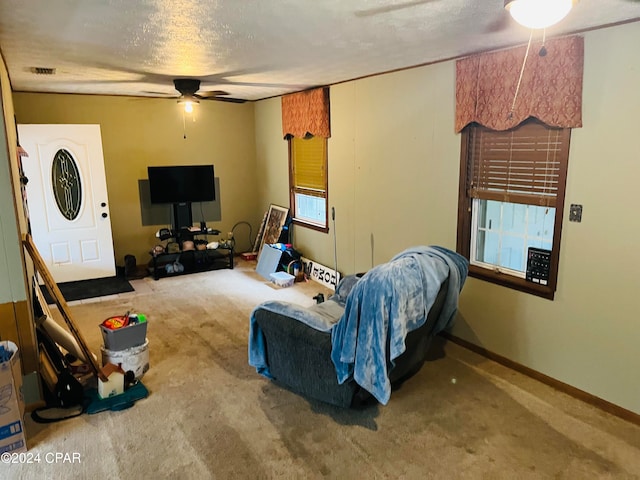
276 217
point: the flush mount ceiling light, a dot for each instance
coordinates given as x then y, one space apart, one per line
538 13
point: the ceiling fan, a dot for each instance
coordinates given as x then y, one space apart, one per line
189 89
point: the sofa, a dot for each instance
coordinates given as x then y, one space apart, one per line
371 335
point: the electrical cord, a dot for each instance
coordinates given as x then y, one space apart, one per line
524 63
335 243
242 222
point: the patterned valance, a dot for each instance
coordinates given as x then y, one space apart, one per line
550 89
306 113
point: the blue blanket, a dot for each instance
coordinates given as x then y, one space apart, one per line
389 301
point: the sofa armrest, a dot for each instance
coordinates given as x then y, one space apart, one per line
299 357
320 317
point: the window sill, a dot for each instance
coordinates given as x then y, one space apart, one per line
509 281
312 226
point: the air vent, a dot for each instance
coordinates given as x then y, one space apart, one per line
43 70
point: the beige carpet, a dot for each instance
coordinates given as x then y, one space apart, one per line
209 415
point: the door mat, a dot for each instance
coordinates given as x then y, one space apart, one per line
97 287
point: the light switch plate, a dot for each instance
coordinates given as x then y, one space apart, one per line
575 213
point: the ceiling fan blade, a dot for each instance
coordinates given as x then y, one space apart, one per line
164 94
227 99
390 8
210 93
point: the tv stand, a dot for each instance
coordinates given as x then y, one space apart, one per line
192 261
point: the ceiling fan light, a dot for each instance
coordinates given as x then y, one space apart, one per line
188 101
538 13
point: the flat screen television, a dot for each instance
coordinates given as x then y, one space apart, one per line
181 184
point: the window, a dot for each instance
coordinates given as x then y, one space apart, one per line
511 198
308 181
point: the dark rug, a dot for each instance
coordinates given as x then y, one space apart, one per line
97 287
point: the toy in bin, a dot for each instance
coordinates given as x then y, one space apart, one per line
124 331
125 320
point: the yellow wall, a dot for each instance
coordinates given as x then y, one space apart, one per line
393 179
138 132
386 193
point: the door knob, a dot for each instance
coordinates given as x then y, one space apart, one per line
104 215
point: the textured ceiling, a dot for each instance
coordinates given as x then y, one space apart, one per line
253 49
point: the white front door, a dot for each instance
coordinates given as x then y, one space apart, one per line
67 198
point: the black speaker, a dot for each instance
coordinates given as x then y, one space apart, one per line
130 265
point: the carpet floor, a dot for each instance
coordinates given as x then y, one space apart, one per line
209 415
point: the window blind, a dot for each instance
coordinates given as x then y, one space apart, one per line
308 157
526 165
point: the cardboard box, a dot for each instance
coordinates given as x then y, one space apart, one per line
125 337
12 434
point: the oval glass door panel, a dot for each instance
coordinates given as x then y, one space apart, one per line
65 180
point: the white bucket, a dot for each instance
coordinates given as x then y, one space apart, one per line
135 358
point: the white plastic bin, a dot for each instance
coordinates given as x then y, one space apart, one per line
282 279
